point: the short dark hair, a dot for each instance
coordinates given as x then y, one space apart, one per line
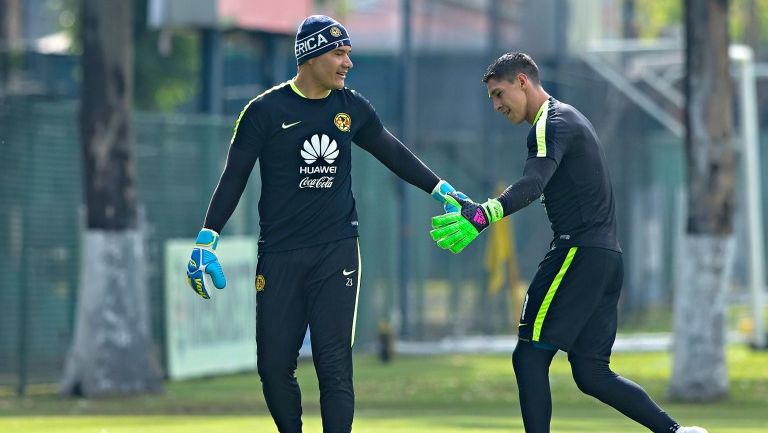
509 65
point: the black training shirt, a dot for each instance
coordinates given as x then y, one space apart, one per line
304 151
578 197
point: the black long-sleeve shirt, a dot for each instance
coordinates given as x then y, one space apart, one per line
304 150
566 167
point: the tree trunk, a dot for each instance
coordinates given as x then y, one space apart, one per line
699 372
112 348
10 35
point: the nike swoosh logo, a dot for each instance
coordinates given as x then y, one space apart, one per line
290 124
346 272
521 324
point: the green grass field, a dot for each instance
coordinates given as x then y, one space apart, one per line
458 393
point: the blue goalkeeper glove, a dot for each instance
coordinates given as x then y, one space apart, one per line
204 269
454 231
441 190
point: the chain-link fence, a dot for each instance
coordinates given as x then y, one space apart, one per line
179 159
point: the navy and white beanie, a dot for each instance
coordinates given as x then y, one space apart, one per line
317 35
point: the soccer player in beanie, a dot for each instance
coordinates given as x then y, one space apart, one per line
571 304
308 271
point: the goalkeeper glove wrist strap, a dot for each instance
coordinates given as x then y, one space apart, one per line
494 209
441 189
207 238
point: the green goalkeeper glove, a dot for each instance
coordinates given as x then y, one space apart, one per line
454 231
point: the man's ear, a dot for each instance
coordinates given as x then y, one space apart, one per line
522 79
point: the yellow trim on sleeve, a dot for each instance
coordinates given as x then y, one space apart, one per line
240 117
541 130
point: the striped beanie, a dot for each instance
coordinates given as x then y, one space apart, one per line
317 35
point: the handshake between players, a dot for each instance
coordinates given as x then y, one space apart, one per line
462 222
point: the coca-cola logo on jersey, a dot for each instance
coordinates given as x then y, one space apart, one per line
320 182
319 147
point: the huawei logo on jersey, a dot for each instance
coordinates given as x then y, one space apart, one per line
317 147
320 147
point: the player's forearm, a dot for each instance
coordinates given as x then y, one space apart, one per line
520 194
528 188
231 186
401 161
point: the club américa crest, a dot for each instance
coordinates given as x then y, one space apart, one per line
343 122
335 32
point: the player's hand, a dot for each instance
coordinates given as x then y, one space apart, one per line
204 269
454 231
441 190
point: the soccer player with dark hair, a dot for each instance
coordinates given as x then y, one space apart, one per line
571 304
308 271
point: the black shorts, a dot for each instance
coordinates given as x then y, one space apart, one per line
572 301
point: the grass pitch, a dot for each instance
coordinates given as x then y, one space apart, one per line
446 394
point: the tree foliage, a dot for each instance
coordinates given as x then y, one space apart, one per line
657 18
166 64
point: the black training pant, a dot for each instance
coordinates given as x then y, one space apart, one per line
315 287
